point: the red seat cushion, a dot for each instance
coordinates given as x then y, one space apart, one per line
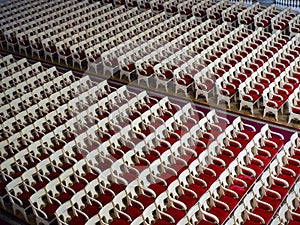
116 188
207 178
220 213
272 104
129 177
253 96
218 169
24 197
198 189
2 187
287 178
230 90
264 213
50 209
250 222
176 213
38 185
273 201
157 188
257 168
104 198
281 190
238 189
77 186
91 210
145 200
249 180
133 212
189 201
296 110
230 201
187 80
119 222
63 197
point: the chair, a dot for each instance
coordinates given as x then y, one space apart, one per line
126 66
225 91
44 206
183 81
36 45
19 196
49 46
93 58
68 214
110 61
293 106
63 51
272 101
144 71
78 55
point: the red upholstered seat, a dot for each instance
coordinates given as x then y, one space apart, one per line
119 222
197 188
24 197
145 200
64 196
157 188
263 158
188 200
207 85
129 177
49 210
220 213
133 212
229 200
116 188
129 67
176 213
279 142
251 222
278 104
226 158
169 178
205 222
228 91
2 187
38 185
294 222
186 11
162 222
187 80
104 198
91 210
289 178
264 213
249 180
280 189
53 175
240 190
272 200
293 166
256 167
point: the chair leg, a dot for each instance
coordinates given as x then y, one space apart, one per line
264 113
